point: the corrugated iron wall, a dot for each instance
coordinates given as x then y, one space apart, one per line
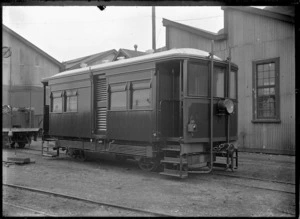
254 37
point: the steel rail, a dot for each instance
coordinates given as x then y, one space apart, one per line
254 178
262 188
87 200
29 209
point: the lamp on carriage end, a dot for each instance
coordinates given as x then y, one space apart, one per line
226 105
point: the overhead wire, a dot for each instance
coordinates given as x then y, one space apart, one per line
111 20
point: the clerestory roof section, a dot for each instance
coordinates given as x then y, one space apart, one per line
173 53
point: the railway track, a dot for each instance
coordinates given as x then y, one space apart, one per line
116 206
259 180
28 209
253 178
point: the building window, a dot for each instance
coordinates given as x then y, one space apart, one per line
141 95
266 90
56 102
118 96
197 79
71 101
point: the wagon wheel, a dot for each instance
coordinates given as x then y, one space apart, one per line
148 164
21 144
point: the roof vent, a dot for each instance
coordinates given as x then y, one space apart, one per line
135 47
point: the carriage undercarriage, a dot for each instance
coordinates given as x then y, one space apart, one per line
176 160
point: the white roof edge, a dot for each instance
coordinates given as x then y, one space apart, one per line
175 52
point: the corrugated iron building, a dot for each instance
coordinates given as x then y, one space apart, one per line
23 71
262 44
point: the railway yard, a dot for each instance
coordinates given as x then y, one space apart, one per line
263 185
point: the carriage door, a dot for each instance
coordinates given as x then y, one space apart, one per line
169 100
100 104
196 104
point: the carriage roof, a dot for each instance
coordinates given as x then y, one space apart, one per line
173 53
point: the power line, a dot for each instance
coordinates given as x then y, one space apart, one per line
94 21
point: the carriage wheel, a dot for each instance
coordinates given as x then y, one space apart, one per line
148 164
80 155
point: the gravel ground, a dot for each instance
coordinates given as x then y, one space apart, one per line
101 178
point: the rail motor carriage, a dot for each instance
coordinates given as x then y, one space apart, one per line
157 109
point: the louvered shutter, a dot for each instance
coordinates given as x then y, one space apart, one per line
101 102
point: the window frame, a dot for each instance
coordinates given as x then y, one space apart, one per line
276 118
225 67
67 94
57 95
147 85
115 88
199 62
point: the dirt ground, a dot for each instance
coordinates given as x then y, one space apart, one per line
101 178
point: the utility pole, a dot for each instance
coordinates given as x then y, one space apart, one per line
153 29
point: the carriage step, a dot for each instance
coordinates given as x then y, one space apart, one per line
171 149
50 139
49 147
174 160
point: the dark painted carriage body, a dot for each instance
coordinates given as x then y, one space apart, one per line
111 117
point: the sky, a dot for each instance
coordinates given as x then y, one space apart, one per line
70 32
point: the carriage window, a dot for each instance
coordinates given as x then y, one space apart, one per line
71 101
232 85
197 79
141 95
219 73
118 96
56 102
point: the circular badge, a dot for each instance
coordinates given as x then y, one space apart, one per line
6 52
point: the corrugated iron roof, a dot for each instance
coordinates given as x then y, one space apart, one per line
75 63
272 13
287 10
194 30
